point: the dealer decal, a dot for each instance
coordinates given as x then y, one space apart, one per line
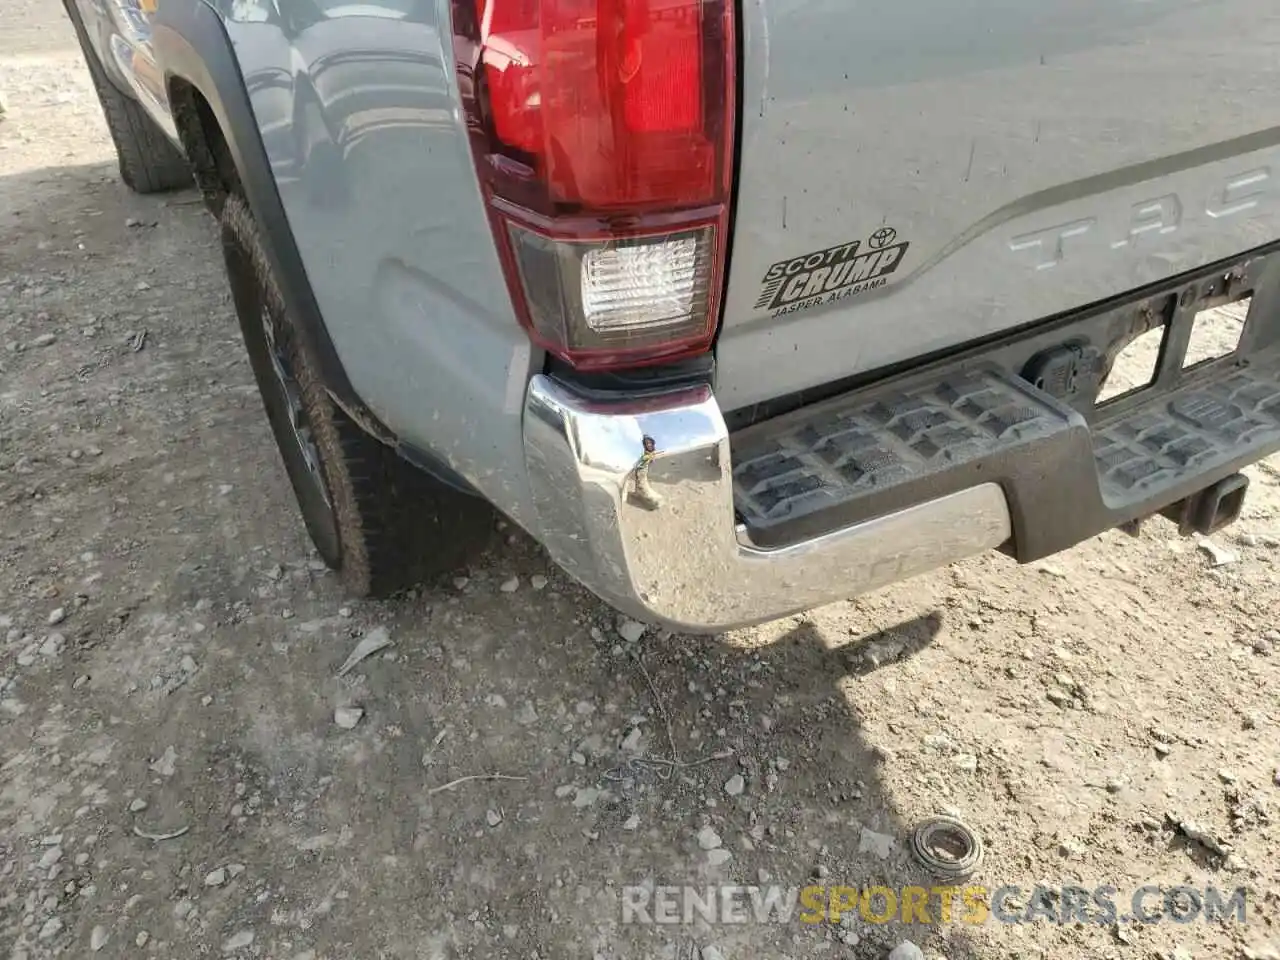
832 274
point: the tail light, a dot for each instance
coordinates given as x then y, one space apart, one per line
603 138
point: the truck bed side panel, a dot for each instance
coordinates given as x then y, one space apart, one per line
969 166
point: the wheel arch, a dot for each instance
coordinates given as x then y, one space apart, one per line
220 135
204 144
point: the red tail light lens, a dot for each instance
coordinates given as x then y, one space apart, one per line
602 133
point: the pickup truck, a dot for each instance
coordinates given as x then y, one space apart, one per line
736 307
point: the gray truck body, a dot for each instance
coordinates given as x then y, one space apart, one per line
995 163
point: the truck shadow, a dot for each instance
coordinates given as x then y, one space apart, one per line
818 811
394 838
878 648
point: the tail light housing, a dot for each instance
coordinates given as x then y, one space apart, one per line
602 132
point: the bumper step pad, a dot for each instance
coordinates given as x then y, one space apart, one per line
1191 431
897 437
896 444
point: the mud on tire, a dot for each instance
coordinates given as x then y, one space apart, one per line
378 520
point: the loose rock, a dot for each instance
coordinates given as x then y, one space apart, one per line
56 616
167 763
631 630
883 650
376 639
708 839
631 743
52 927
215 878
527 714
940 742
347 717
1198 834
718 857
53 645
906 950
238 941
878 844
1059 697
511 585
1218 556
98 938
1071 847
735 785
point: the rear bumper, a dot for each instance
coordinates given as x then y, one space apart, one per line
1003 445
660 542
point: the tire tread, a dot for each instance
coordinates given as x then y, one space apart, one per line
149 162
396 524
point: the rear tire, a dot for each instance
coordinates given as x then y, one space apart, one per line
149 162
379 521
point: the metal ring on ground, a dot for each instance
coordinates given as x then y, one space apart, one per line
947 848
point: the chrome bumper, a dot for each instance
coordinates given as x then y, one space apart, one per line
657 538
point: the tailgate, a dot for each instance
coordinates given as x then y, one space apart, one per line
920 174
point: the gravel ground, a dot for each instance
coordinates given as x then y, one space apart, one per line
170 649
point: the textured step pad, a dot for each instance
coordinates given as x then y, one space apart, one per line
1188 432
818 460
882 449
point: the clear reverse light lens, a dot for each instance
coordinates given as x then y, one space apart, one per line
603 298
645 284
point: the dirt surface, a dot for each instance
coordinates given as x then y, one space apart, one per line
169 650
